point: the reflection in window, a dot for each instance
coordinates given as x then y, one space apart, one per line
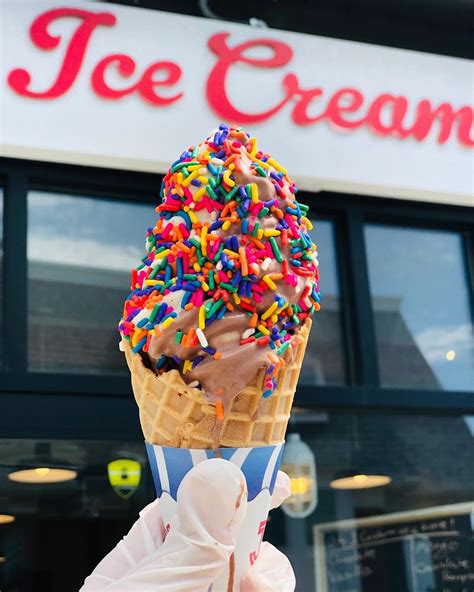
419 292
324 358
80 253
429 494
61 530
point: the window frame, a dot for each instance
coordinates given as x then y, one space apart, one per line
347 212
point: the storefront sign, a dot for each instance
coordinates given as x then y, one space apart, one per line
99 84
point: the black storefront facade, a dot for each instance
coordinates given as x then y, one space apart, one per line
387 386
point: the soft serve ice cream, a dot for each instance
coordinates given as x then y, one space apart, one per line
230 273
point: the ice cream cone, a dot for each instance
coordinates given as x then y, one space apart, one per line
176 415
222 299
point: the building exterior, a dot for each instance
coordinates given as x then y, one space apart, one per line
96 100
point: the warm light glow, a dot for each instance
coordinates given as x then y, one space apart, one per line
300 485
300 465
3 559
360 482
6 518
42 475
450 355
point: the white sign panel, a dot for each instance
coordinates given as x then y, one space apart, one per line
106 85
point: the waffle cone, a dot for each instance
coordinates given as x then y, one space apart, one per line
175 415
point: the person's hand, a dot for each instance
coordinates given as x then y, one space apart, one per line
198 547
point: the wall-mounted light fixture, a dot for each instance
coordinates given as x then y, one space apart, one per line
300 465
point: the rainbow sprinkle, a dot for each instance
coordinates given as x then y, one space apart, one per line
225 246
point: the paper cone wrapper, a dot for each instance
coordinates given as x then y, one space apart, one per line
176 415
260 467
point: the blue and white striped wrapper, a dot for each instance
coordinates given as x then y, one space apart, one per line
260 468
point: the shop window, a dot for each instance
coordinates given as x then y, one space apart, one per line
413 532
324 359
424 331
80 253
53 532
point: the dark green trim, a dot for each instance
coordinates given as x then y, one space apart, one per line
15 321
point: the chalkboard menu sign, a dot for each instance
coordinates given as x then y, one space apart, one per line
430 550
